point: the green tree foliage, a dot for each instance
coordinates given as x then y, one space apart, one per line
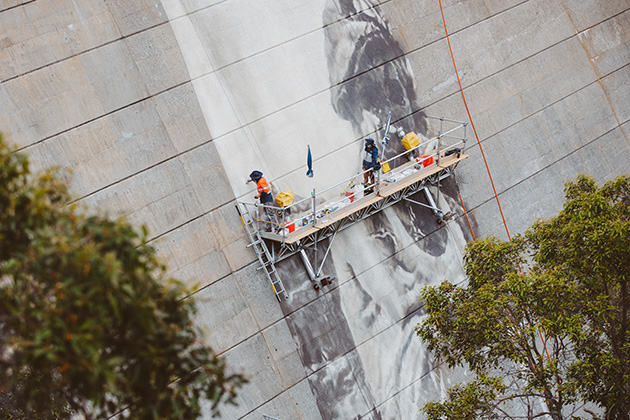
588 243
544 321
88 323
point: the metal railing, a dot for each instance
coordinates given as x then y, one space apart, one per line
306 211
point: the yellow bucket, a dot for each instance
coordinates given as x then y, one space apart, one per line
411 140
285 198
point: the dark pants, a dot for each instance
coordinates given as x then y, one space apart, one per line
269 214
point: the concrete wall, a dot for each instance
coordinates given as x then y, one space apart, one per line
163 108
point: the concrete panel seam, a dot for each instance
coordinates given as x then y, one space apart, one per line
18 5
618 127
554 103
456 92
272 398
121 38
192 295
284 108
436 367
155 238
106 114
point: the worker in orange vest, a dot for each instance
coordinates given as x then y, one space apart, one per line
265 196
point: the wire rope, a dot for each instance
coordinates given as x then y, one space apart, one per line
461 89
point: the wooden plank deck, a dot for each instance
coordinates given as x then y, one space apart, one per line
387 189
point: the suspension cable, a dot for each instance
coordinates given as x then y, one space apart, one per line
461 89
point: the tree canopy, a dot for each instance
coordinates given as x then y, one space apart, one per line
544 320
88 322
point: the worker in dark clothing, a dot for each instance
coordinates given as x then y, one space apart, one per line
266 198
370 163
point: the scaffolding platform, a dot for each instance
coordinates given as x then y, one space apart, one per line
386 196
301 225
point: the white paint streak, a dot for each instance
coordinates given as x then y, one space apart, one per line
215 99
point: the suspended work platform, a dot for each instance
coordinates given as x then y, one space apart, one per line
302 225
390 193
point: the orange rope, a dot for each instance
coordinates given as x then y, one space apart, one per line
466 214
461 89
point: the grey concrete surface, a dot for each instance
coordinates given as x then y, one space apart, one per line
161 109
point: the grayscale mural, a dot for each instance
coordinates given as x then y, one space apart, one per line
369 74
355 339
382 263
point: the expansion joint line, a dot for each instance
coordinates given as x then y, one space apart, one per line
461 89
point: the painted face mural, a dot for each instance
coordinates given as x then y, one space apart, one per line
368 71
368 359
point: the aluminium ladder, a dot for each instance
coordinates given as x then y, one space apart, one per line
262 252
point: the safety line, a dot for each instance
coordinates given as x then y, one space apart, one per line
466 214
461 89
472 124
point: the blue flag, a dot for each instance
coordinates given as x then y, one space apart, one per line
309 163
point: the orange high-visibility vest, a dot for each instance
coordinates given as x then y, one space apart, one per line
262 185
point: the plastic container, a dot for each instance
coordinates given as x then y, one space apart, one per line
426 160
285 198
411 140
